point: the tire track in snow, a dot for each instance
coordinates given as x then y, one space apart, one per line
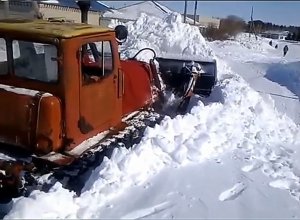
276 163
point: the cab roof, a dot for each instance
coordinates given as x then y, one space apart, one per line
45 28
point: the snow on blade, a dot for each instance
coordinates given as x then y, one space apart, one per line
234 118
169 37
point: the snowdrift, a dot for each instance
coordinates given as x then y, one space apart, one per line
169 37
243 40
234 118
286 74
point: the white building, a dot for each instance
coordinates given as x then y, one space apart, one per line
278 35
204 21
134 11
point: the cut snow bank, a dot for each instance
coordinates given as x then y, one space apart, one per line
234 117
266 70
243 48
244 40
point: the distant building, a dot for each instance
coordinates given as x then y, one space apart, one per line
205 22
16 9
134 11
66 10
278 35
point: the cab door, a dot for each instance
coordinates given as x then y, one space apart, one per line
98 86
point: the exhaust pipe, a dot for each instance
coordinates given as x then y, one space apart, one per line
84 6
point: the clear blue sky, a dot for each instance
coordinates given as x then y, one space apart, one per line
277 12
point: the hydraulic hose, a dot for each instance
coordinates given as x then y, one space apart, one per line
146 48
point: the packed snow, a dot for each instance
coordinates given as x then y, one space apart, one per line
265 69
234 155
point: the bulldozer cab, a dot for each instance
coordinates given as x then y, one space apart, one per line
30 60
98 68
77 64
96 60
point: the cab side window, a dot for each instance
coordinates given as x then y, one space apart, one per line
3 57
35 61
96 61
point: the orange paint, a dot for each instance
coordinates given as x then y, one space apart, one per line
78 109
137 89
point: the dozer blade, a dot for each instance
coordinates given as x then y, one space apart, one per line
171 73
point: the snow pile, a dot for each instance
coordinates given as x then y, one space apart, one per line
267 72
114 22
234 118
241 45
238 119
260 44
286 74
168 37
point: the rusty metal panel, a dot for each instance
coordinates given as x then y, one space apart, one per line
30 119
49 134
137 85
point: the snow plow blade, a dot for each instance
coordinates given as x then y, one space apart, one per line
173 74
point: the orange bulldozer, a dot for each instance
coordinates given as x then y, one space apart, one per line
67 99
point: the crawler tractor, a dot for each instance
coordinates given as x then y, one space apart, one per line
67 99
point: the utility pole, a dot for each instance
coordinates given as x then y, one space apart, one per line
185 7
251 22
195 12
252 26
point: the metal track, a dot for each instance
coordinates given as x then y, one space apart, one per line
73 176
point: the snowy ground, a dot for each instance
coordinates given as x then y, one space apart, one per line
234 155
266 70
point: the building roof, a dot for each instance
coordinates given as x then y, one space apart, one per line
276 32
22 27
95 5
133 12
